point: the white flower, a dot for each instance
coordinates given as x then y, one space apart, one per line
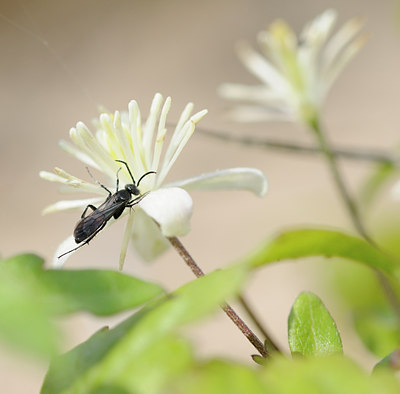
296 75
141 146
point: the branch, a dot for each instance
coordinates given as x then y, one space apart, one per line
176 243
373 155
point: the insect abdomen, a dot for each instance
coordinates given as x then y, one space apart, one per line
88 226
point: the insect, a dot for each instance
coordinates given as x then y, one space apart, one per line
90 225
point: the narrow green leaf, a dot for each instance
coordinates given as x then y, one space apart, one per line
165 360
25 322
391 361
333 375
301 243
112 357
65 369
259 359
312 331
100 292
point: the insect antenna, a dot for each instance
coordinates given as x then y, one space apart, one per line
127 167
147 173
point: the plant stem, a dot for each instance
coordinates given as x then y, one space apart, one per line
352 209
373 155
269 342
188 259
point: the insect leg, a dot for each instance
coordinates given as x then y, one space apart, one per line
85 242
119 169
136 200
100 184
89 206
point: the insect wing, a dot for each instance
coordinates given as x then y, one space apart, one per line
94 222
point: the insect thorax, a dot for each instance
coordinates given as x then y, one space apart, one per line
123 195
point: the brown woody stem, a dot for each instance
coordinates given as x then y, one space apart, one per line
188 259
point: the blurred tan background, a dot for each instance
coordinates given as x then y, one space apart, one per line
60 59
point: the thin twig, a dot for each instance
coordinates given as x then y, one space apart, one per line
176 243
331 154
246 306
373 155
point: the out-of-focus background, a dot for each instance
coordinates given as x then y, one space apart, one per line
60 60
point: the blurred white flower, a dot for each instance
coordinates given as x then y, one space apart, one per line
296 74
124 137
395 191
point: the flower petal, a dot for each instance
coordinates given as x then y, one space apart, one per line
395 191
125 241
147 239
241 178
70 204
260 94
65 246
254 113
77 153
171 208
262 68
71 182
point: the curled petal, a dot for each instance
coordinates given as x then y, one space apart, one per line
65 246
171 208
240 178
147 239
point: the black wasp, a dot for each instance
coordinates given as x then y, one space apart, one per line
88 227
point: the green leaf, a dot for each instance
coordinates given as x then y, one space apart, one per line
30 297
391 361
163 360
220 377
355 285
318 242
115 357
373 316
331 375
259 359
25 322
65 369
100 292
376 181
378 328
312 331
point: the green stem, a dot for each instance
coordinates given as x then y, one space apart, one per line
352 209
188 259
